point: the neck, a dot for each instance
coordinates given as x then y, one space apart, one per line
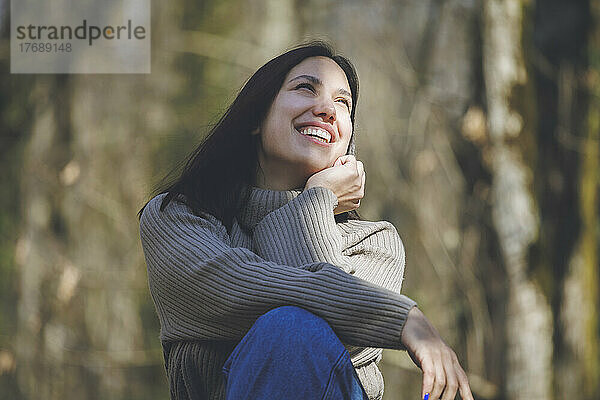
276 184
261 202
279 179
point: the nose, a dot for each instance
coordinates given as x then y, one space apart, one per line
325 109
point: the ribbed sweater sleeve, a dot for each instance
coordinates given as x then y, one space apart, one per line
204 289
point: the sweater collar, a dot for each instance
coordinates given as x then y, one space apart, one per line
261 202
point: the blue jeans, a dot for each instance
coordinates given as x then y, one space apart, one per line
290 353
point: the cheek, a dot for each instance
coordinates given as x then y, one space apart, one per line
271 143
346 128
291 104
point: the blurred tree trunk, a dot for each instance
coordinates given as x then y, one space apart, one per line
588 246
529 319
577 80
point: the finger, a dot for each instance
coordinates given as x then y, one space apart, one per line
346 158
440 378
337 162
465 390
463 382
428 377
362 186
451 378
360 169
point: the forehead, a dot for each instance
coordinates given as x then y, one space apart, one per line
324 68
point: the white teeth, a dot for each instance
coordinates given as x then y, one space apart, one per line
317 133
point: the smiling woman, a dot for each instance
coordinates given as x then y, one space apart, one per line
266 282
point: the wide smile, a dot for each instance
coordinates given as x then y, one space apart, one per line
317 133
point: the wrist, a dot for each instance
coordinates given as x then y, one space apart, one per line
323 193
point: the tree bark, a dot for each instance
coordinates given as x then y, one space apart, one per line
578 364
529 319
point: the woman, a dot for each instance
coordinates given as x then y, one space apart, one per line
265 281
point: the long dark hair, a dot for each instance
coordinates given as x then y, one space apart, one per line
219 172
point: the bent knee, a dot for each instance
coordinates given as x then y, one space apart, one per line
290 325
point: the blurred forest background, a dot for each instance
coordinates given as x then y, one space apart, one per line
478 123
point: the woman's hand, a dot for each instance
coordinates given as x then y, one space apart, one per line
442 374
346 179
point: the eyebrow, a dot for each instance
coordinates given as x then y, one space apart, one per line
316 81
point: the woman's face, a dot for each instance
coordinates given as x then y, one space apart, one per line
308 125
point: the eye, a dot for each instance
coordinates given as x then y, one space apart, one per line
305 85
344 101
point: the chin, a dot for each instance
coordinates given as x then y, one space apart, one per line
314 168
310 166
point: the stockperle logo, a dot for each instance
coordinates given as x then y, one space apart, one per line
80 36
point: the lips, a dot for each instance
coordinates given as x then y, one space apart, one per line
319 131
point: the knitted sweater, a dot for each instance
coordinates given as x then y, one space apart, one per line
284 248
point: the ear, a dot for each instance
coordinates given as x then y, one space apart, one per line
255 131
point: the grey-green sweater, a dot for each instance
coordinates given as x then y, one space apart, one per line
285 248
